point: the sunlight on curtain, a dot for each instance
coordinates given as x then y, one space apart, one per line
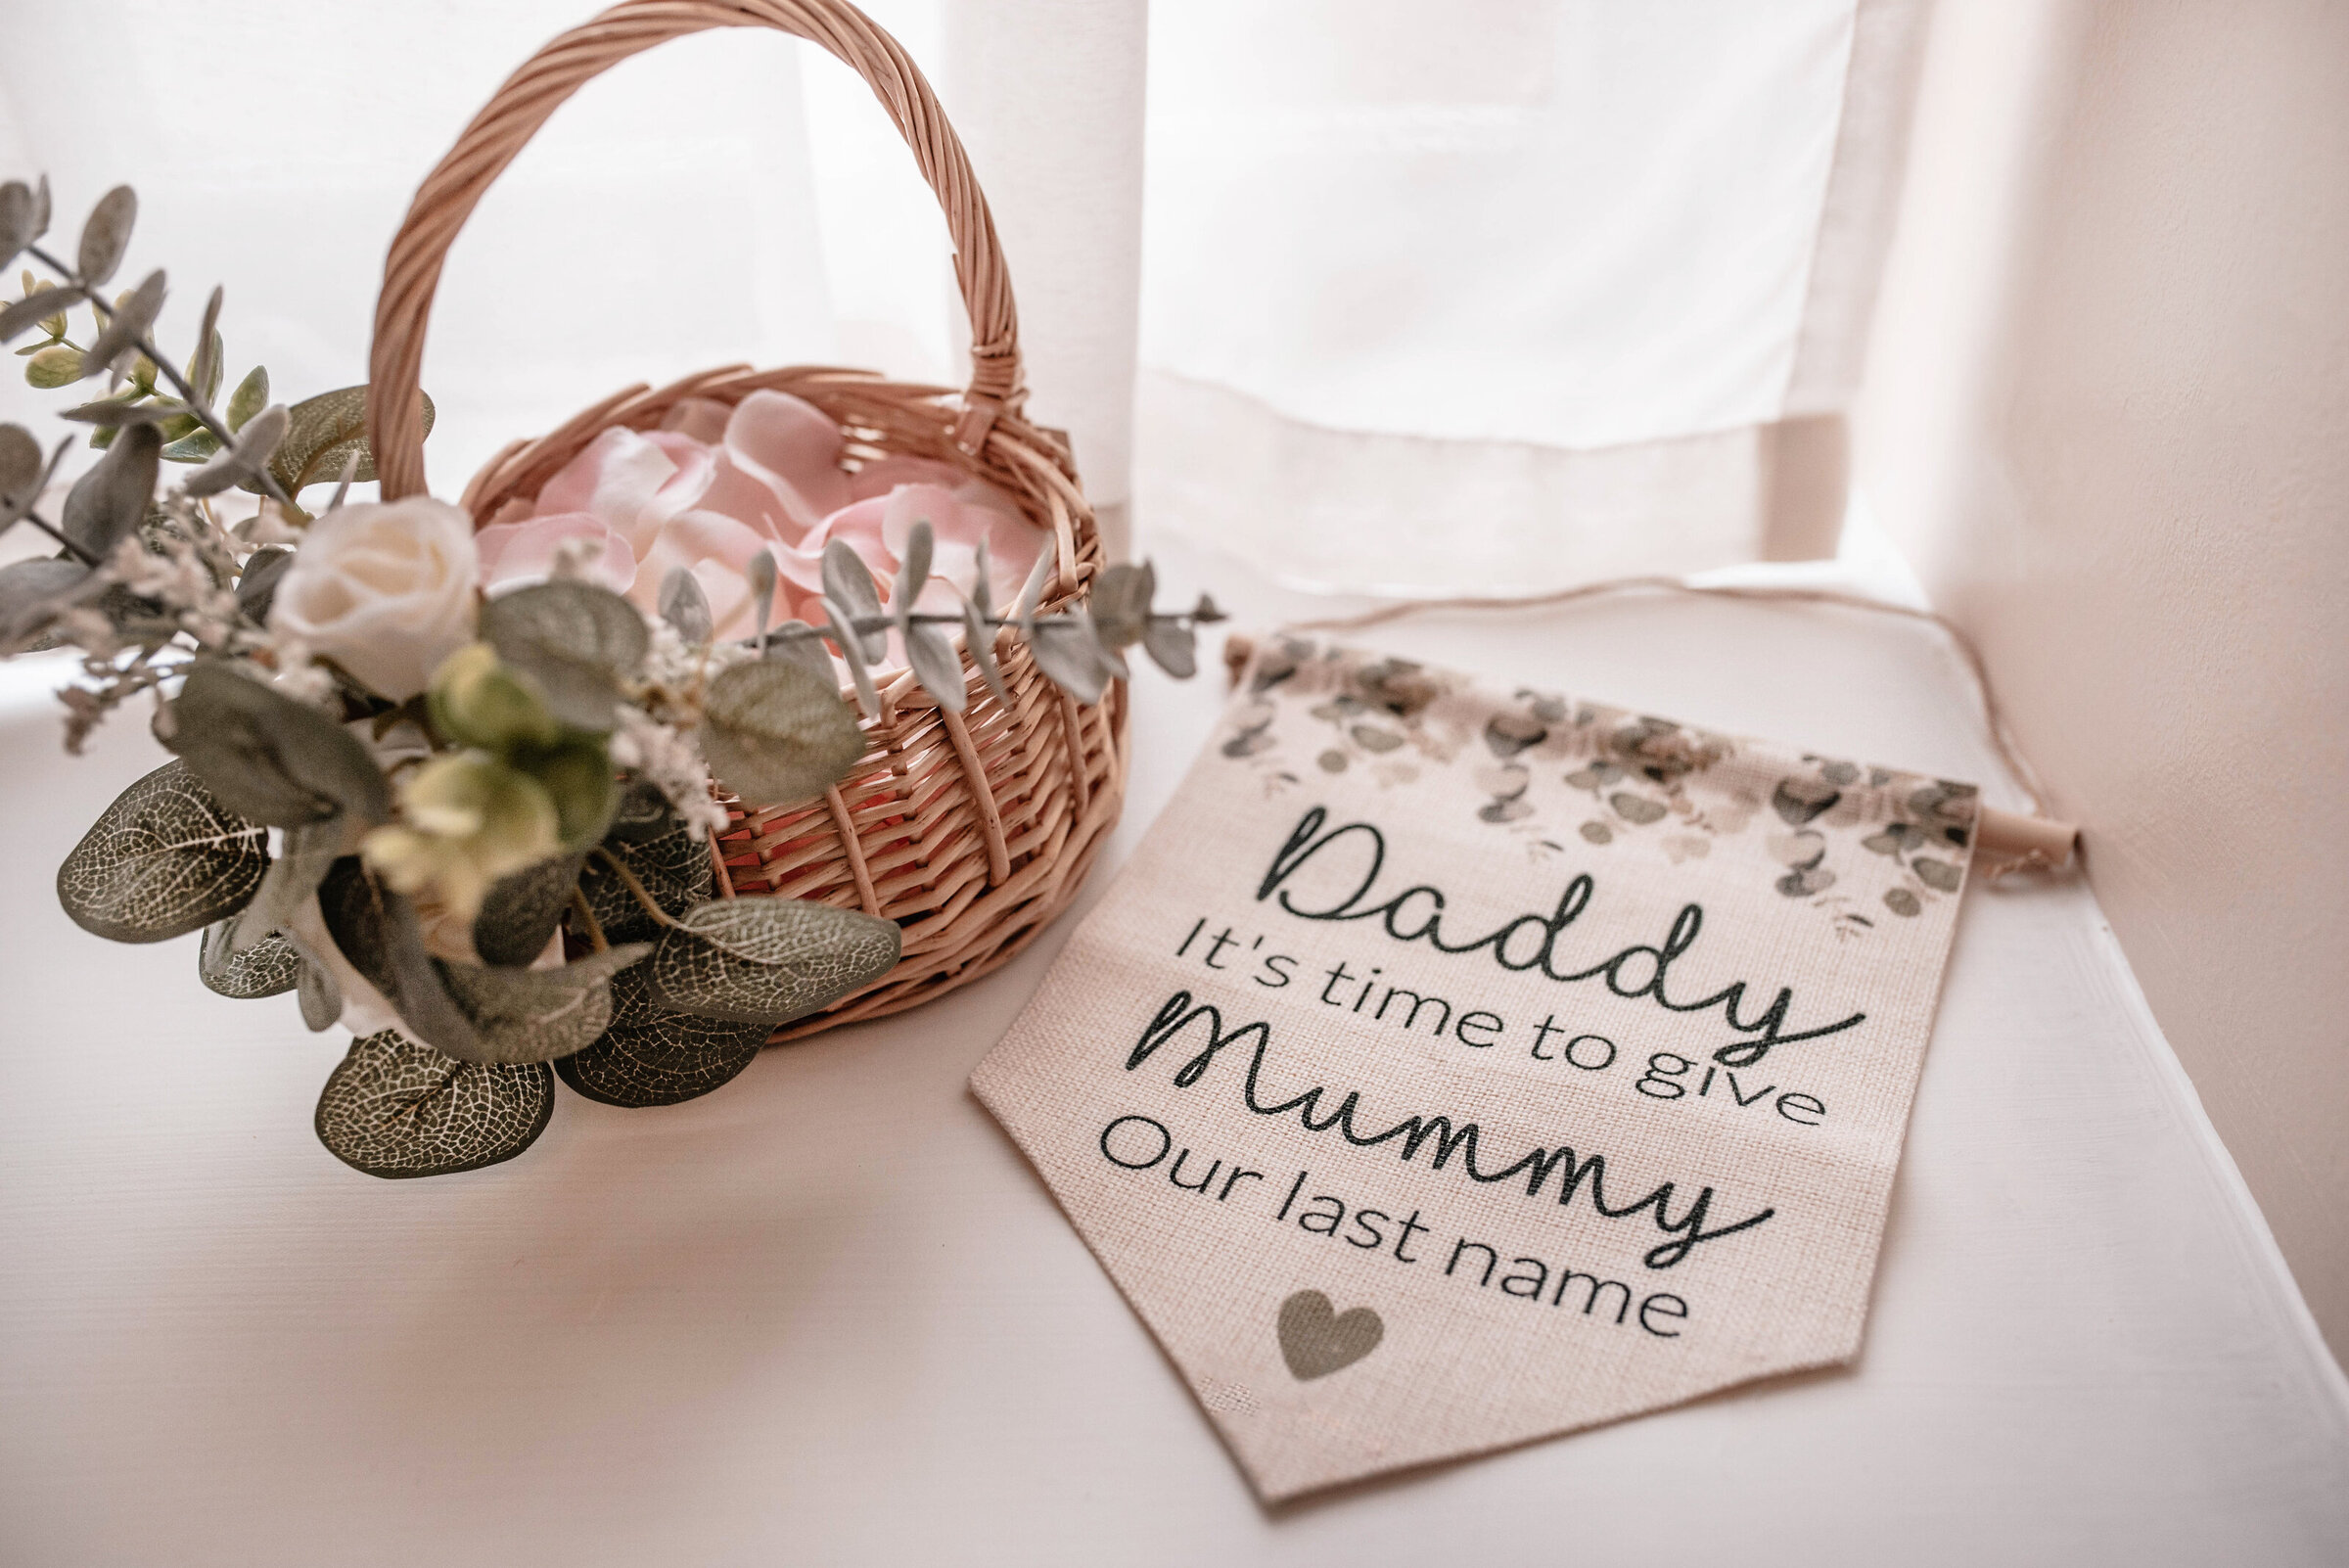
1506 294
1499 294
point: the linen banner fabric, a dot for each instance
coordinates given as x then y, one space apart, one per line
1454 1065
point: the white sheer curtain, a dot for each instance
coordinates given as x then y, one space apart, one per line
1502 294
1497 294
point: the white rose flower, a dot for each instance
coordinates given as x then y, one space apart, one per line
384 589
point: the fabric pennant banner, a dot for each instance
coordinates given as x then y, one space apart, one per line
1456 1065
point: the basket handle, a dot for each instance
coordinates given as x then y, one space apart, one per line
514 113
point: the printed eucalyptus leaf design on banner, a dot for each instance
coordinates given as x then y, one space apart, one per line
270 967
535 1015
167 859
394 1108
1571 778
767 960
652 1056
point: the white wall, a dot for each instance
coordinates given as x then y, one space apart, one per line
2108 417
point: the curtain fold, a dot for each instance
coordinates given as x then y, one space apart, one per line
1515 295
1498 295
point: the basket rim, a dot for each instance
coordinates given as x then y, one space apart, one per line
524 102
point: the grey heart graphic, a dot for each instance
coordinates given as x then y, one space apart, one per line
1316 1339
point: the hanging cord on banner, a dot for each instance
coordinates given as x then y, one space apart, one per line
2012 841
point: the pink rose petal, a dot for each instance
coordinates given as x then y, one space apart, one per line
885 474
793 447
859 527
702 418
959 521
614 477
716 550
524 551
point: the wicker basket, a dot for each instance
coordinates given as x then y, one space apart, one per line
969 830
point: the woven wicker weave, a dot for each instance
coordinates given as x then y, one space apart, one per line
970 830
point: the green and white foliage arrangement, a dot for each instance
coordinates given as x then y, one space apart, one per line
478 832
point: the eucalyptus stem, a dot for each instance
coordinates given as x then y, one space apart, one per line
628 879
41 523
587 914
196 406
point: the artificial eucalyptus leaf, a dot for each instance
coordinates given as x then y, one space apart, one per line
1172 646
205 367
375 927
577 776
167 859
16 220
936 664
535 1015
979 641
293 876
1032 592
106 235
31 591
766 959
396 1108
261 436
641 812
21 460
271 758
16 500
686 607
324 431
521 911
107 504
578 640
1119 603
982 594
803 648
133 319
849 585
320 997
256 586
270 967
851 653
774 733
914 574
35 308
1069 655
761 575
651 1055
672 865
60 365
249 398
195 446
121 410
343 483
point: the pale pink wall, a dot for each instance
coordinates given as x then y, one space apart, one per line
2109 417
